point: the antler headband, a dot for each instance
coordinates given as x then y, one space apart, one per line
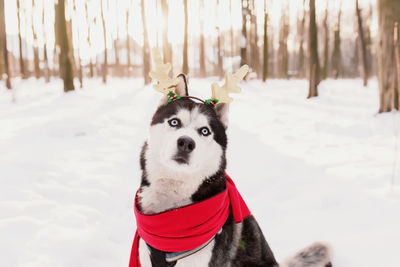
220 94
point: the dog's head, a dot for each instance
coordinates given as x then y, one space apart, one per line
187 138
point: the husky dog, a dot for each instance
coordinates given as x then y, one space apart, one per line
183 161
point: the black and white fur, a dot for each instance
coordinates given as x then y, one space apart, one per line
183 161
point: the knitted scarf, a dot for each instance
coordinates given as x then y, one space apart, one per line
190 226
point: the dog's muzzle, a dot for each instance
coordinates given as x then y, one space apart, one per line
185 146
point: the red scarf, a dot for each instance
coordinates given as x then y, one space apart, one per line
190 226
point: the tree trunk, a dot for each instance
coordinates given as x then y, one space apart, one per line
167 49
313 52
80 72
361 39
243 41
324 72
255 64
65 60
105 64
185 66
45 56
202 53
232 39
283 54
388 14
301 63
116 52
89 40
146 48
3 44
337 51
397 58
220 68
128 47
35 45
265 50
116 43
21 58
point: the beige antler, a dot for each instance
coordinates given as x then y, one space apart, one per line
230 86
161 74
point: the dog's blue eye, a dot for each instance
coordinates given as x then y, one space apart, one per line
204 131
174 122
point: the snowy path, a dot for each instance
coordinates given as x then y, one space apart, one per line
310 170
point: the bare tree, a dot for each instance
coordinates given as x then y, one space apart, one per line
255 57
128 46
397 59
3 44
45 56
313 53
301 30
220 68
363 46
388 15
202 53
146 48
105 64
324 70
89 39
265 50
232 39
167 49
243 40
185 66
283 53
35 44
65 57
116 39
336 59
80 72
21 58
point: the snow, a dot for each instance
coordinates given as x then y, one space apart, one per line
310 170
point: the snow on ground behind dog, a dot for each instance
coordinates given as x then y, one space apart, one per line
317 169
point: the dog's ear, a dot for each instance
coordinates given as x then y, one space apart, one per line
222 113
180 89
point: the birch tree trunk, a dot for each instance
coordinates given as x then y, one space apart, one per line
128 47
255 58
65 60
337 51
89 40
265 50
45 56
220 68
21 58
167 49
146 48
185 66
202 53
243 40
324 72
105 64
313 53
388 15
301 63
361 39
3 44
35 44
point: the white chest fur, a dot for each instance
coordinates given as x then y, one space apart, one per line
165 194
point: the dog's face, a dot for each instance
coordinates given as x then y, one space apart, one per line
187 139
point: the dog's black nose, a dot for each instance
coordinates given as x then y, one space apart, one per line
186 144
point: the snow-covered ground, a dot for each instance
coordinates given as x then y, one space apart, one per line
317 169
